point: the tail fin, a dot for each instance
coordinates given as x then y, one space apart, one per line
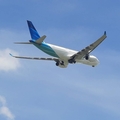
33 32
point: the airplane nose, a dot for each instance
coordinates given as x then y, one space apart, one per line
97 61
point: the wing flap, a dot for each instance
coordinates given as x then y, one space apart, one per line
34 58
41 39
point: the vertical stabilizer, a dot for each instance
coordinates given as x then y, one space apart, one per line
33 32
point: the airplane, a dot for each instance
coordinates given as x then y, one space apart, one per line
62 56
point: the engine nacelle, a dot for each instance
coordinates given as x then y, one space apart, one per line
87 57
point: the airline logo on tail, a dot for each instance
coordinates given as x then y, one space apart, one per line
33 32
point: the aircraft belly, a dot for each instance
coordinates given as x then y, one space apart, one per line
87 62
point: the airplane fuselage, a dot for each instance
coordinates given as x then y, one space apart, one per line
64 54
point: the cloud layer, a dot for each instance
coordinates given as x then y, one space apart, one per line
8 63
4 110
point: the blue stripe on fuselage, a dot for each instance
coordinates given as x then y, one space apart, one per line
46 48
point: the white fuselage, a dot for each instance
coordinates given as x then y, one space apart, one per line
65 55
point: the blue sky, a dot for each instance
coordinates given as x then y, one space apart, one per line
38 90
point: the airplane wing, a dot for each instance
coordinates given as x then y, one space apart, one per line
35 58
88 49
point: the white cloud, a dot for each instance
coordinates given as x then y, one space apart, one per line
4 110
8 63
2 100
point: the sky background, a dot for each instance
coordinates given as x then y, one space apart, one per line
38 90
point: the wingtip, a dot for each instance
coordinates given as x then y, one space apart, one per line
104 32
10 54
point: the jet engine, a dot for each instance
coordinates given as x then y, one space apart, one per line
87 57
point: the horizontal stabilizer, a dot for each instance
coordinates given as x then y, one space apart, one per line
22 43
40 40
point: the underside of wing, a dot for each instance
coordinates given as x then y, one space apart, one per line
88 49
59 62
35 58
